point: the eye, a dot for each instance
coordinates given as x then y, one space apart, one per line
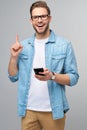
44 16
35 17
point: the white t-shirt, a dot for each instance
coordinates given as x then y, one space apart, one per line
38 97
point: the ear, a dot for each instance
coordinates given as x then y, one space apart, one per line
30 20
50 18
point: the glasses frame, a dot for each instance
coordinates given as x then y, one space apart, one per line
42 17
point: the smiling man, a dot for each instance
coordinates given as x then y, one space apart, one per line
40 19
43 65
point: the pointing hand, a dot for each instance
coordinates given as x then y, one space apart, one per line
16 48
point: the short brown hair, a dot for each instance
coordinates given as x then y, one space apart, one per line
39 3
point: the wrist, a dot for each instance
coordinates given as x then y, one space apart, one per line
52 76
14 57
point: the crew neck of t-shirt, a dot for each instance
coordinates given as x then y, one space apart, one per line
41 40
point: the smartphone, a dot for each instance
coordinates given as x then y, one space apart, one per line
37 70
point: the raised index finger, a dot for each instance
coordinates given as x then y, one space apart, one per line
17 38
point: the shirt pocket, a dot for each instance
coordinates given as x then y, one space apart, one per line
58 62
23 62
23 57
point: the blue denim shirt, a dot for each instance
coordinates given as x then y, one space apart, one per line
59 58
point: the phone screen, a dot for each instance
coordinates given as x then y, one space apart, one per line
37 70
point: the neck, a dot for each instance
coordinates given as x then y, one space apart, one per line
43 35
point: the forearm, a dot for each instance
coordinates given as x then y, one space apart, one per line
62 79
12 67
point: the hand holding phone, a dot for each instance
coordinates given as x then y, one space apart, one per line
37 70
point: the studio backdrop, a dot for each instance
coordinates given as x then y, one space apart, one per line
69 19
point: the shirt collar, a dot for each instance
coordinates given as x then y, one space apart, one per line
51 39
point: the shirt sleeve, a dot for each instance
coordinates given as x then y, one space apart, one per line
70 66
13 78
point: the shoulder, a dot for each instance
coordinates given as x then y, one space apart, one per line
62 44
28 40
59 40
25 41
27 45
62 40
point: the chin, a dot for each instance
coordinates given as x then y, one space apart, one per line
40 31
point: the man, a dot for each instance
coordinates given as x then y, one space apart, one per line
42 102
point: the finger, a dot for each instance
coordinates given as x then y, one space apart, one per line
45 69
17 38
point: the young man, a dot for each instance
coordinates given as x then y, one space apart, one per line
42 102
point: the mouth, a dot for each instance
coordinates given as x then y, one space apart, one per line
40 26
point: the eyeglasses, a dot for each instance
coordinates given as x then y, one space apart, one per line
36 17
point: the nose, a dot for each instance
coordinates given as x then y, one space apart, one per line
39 18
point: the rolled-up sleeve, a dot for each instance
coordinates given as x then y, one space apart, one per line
13 78
73 79
70 66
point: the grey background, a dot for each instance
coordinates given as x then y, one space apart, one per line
69 20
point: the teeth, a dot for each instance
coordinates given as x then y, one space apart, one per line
40 26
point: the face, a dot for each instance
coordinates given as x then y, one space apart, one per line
40 21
